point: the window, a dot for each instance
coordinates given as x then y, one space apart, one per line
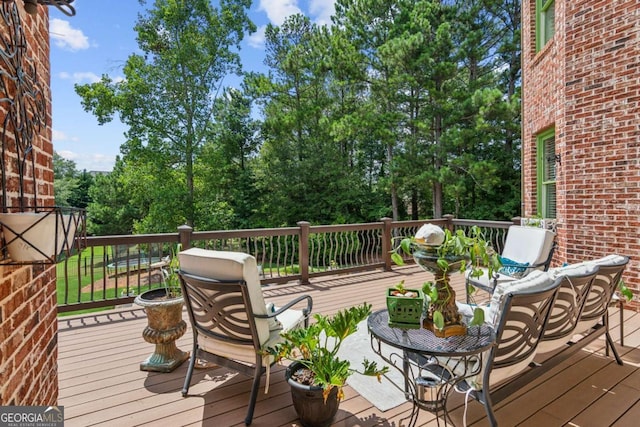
545 22
546 165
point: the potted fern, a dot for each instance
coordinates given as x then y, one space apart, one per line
316 373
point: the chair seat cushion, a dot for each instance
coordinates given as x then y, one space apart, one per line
290 319
487 283
535 280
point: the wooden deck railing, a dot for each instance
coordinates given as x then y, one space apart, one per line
113 269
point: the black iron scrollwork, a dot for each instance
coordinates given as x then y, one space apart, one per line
31 233
23 103
64 6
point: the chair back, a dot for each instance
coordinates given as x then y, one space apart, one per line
575 284
521 326
220 310
604 286
530 245
228 282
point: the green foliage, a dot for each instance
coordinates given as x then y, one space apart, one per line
113 209
625 291
71 187
316 348
399 106
167 99
170 276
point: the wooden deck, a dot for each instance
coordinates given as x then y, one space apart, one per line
101 384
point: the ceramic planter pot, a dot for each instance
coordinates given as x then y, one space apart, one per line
165 326
309 403
405 311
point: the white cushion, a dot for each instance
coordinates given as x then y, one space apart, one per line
524 245
225 265
608 260
528 244
485 281
535 280
571 270
492 310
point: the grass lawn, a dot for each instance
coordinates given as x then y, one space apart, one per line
79 273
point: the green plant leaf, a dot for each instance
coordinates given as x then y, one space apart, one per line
478 317
430 290
397 258
405 244
438 319
624 291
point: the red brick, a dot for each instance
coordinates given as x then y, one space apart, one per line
27 304
586 83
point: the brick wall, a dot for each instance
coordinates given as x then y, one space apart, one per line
28 308
586 82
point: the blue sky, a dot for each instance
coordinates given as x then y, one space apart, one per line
98 40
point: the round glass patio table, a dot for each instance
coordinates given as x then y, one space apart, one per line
431 366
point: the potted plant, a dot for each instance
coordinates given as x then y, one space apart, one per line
405 306
163 307
441 252
316 374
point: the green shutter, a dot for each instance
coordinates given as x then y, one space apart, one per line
545 22
546 172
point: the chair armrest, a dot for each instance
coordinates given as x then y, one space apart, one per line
305 311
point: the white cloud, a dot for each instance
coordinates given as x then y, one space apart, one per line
68 155
89 162
278 10
80 77
321 10
67 37
57 135
257 39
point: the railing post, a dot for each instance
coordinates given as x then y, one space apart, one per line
516 220
303 252
386 243
185 236
449 224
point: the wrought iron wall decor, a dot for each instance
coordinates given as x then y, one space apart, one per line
64 6
30 233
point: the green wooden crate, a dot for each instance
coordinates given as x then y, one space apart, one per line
405 312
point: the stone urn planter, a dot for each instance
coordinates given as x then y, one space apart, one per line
165 326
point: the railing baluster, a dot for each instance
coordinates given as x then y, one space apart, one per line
316 250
